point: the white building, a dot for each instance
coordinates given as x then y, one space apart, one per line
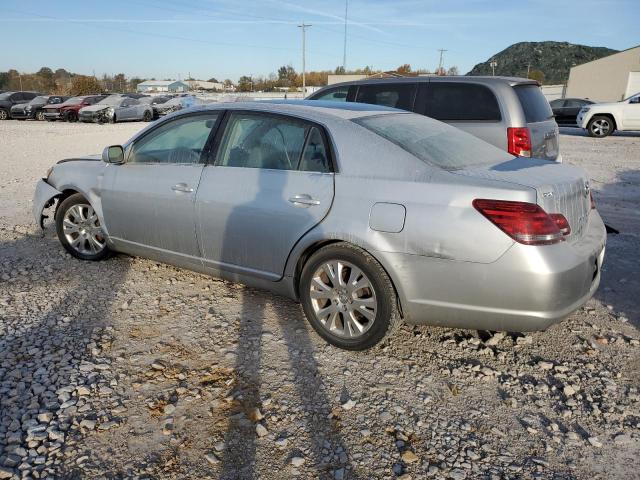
608 79
162 86
202 85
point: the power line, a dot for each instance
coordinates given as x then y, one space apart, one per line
441 50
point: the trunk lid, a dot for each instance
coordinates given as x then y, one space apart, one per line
539 117
559 188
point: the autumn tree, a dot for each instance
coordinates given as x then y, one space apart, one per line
537 75
453 71
84 85
404 69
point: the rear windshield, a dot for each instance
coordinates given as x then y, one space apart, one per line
535 106
434 142
73 101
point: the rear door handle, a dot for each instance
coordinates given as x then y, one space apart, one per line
304 199
181 187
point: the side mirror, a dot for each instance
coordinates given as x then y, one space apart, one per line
113 154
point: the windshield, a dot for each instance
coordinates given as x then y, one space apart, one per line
112 100
434 142
39 100
73 101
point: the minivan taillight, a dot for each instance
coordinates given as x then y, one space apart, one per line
526 223
593 202
519 141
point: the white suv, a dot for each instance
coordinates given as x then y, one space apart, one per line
602 119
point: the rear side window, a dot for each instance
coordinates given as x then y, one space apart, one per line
388 94
338 94
535 106
462 102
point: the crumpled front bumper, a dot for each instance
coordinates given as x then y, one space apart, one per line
43 197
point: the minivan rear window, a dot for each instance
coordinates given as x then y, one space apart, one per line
535 106
461 102
398 95
432 141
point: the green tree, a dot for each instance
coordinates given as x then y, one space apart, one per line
245 84
339 71
120 82
213 80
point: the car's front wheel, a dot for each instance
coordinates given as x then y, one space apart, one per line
40 115
600 126
72 117
4 114
147 116
348 297
79 229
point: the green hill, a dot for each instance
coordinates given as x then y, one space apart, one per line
553 59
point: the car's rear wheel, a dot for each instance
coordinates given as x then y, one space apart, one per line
600 126
72 117
40 116
147 116
4 115
348 297
79 229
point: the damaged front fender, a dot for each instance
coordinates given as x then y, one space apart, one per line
43 197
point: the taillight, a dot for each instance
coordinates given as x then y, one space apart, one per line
519 141
526 223
561 222
593 202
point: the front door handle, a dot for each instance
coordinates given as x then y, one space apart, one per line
304 199
181 187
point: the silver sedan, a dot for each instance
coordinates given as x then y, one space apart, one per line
116 108
369 216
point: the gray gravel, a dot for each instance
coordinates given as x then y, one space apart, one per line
129 368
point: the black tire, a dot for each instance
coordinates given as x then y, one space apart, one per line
67 204
600 126
112 119
40 116
72 117
147 116
387 317
4 114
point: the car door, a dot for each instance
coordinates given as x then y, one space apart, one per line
631 113
148 202
571 108
558 107
272 181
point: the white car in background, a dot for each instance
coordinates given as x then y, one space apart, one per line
602 119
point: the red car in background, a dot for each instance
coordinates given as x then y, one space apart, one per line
68 111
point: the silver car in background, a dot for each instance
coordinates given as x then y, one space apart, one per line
508 112
367 215
116 108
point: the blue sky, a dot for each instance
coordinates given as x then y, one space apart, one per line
227 38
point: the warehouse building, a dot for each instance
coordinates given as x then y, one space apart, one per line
609 79
162 86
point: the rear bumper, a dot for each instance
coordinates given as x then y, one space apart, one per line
528 288
43 198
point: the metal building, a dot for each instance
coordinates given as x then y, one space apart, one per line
162 86
608 79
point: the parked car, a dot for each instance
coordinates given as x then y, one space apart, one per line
367 215
510 113
177 103
155 102
9 99
116 108
68 111
565 110
602 119
135 95
34 109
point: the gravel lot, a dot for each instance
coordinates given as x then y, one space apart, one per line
129 368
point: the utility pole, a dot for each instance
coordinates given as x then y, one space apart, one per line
528 69
441 50
493 64
344 55
20 77
304 58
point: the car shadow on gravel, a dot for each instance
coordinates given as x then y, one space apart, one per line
53 313
618 203
579 132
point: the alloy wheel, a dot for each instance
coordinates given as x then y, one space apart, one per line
3 115
600 127
82 229
343 299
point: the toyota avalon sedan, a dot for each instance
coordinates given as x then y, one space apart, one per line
368 215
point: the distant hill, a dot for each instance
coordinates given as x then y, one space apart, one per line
553 59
